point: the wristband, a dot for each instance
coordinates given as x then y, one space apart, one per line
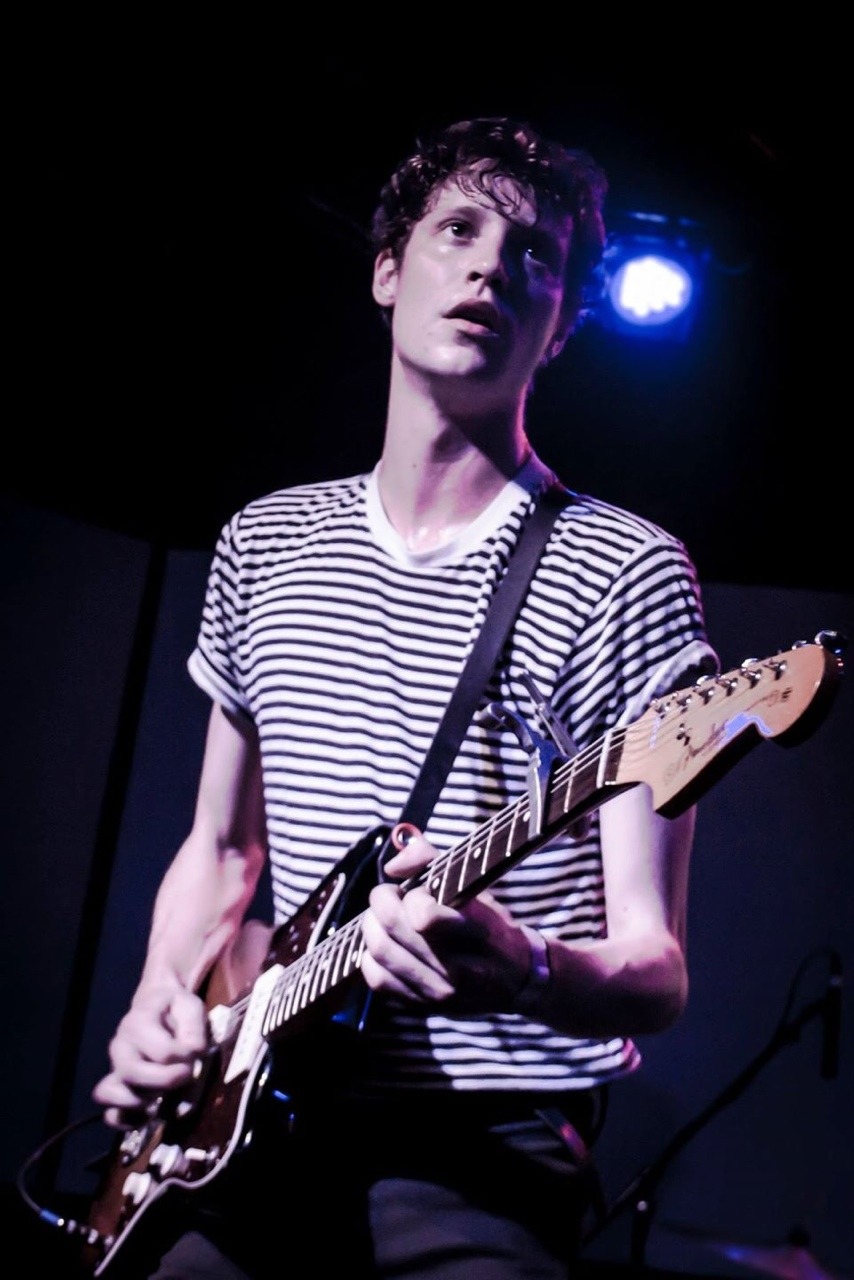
539 974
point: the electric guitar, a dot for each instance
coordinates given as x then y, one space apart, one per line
274 983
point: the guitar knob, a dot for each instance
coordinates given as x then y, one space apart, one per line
137 1186
167 1158
132 1143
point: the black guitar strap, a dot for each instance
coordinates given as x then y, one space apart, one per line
365 861
505 605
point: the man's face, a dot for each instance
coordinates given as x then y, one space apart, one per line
477 295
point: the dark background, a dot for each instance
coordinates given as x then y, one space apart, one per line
191 325
193 322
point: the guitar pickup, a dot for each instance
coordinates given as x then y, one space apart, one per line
222 1019
251 1038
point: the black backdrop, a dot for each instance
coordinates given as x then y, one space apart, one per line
106 738
192 326
191 288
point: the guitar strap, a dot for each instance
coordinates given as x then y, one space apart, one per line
365 861
505 605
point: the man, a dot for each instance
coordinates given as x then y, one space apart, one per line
337 620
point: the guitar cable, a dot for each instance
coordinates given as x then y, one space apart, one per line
62 1222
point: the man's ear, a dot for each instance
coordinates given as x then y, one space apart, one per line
385 278
557 343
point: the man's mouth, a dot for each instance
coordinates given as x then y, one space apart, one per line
483 315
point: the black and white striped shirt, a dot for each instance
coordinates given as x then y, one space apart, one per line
344 648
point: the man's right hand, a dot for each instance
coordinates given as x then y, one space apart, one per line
154 1050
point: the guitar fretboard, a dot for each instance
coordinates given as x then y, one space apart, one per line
454 876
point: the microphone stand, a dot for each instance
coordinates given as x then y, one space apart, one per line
640 1193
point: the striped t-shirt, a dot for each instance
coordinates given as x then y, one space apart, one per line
344 648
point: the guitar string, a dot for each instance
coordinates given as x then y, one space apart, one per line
500 824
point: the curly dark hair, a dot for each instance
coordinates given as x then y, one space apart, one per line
559 179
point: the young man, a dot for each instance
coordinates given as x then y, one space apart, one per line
337 619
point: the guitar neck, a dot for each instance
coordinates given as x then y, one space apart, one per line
679 747
453 877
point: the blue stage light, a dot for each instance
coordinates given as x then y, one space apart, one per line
653 271
651 289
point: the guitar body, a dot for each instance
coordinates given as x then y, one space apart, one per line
195 1134
300 982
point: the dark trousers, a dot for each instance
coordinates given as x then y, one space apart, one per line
460 1187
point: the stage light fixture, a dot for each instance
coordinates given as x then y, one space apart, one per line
653 273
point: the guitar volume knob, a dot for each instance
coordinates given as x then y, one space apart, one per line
136 1187
168 1158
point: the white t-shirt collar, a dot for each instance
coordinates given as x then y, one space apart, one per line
532 477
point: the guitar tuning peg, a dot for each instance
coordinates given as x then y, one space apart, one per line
835 641
752 669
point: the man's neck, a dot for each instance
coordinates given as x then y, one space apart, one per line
436 475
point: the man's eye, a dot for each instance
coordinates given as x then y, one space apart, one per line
545 254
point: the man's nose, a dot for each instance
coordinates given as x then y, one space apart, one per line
491 262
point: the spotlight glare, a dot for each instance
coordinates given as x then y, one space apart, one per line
651 290
653 276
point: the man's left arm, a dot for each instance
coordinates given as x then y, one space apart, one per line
478 959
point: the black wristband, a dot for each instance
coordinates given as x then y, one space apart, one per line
539 974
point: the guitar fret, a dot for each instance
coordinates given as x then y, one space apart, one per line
321 973
275 1017
465 868
302 986
476 860
518 814
601 775
354 955
573 783
338 943
441 890
289 996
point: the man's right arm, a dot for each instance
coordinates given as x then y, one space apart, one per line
198 910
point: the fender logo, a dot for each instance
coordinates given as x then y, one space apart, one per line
720 735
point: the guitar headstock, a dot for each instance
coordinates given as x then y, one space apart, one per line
695 735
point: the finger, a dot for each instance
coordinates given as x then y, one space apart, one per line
172 1032
487 899
402 922
188 1022
139 1040
397 957
116 1118
381 979
140 1074
399 973
415 855
115 1093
